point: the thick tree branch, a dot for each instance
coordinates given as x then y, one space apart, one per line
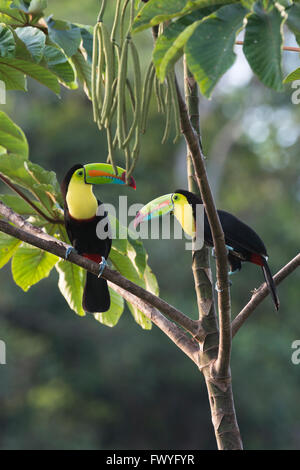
187 344
34 236
223 360
261 293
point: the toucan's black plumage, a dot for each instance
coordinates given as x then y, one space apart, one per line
83 237
245 243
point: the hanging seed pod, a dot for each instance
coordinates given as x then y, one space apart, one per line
175 105
137 94
168 116
94 73
147 89
121 92
109 72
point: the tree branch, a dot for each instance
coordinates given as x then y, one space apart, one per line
34 236
261 293
223 360
187 344
23 196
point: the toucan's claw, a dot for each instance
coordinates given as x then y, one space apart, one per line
69 250
102 265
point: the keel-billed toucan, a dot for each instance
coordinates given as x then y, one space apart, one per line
81 220
242 241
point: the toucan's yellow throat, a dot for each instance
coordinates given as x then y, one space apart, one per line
81 201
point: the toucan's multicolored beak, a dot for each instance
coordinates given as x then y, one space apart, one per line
103 173
156 208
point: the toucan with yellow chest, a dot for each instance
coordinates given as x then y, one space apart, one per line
242 242
81 209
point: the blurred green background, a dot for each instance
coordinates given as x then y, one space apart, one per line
71 383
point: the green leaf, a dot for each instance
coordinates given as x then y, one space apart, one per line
151 281
71 283
59 64
139 317
7 42
295 75
37 6
13 79
41 74
21 5
30 265
65 34
12 138
87 39
263 46
84 72
156 11
19 205
169 46
8 247
9 15
293 20
112 316
41 183
209 51
126 267
34 39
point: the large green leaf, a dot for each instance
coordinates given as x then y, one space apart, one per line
169 46
291 77
7 42
87 39
59 64
8 247
71 283
126 266
41 74
37 6
34 39
139 317
12 138
209 51
84 71
65 34
19 205
9 15
263 46
158 11
13 79
112 316
30 265
41 183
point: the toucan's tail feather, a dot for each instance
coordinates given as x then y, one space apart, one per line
270 283
96 296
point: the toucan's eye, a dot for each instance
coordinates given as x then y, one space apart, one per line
80 173
175 198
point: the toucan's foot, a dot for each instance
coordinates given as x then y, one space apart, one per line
69 250
102 265
213 251
230 273
221 290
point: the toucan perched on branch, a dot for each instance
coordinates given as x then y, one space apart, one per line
81 220
242 241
